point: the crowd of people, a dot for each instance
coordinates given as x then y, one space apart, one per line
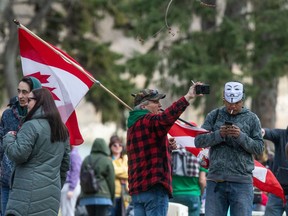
40 170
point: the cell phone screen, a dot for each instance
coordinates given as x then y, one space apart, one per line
228 123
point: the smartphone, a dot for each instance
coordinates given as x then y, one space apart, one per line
202 89
228 123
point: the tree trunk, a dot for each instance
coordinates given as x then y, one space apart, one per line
265 101
10 55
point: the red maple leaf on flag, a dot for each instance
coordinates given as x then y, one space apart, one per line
44 80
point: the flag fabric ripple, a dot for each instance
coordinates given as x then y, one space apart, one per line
263 178
58 72
185 134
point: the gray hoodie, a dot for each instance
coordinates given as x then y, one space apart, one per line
231 159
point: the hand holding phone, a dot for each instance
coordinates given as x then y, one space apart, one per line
230 130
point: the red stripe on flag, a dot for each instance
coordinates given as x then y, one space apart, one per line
193 150
179 129
265 180
72 125
36 50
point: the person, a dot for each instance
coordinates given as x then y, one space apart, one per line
149 159
99 203
121 175
232 146
264 158
41 153
260 197
188 186
71 189
279 168
12 120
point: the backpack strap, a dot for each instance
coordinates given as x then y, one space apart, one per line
90 161
215 117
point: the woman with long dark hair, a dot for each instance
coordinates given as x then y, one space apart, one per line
40 151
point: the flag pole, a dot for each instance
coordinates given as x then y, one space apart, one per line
71 62
184 121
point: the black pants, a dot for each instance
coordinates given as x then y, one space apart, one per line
97 210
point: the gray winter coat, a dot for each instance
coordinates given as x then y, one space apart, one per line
40 170
231 159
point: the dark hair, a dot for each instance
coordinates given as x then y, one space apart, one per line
44 99
28 81
116 139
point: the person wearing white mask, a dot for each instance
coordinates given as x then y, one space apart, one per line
235 137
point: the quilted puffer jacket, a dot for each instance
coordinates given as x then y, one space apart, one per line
40 169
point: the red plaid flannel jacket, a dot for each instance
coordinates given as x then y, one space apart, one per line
149 159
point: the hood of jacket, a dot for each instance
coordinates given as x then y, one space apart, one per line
134 115
100 146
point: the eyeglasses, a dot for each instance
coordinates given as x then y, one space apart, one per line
31 98
117 145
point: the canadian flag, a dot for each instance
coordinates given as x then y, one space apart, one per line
263 178
58 72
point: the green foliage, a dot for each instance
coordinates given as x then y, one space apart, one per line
149 19
206 56
143 64
209 55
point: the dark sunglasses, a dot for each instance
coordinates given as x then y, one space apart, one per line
117 145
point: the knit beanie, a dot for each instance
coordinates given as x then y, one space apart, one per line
36 83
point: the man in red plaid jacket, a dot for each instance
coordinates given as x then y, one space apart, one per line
149 159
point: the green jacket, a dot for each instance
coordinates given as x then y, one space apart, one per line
104 170
40 170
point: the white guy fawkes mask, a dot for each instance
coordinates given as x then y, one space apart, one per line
233 92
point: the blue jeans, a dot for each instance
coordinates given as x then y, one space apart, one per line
192 202
4 198
116 209
275 206
221 195
153 202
